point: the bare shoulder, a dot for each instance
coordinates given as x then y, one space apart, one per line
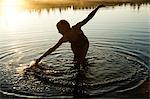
76 26
64 39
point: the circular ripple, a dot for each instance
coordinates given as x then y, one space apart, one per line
106 71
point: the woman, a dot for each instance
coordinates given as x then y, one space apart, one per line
73 35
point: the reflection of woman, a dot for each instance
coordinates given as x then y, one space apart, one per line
74 35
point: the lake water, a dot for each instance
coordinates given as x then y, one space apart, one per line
118 56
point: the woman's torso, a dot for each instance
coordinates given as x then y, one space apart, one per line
76 37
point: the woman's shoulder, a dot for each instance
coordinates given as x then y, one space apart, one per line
64 38
76 26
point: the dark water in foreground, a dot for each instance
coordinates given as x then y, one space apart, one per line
118 57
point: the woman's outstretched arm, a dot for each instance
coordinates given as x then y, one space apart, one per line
49 51
90 16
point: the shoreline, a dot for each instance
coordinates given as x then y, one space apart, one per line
82 4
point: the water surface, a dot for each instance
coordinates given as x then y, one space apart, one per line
118 56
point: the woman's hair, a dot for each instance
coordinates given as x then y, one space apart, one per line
63 25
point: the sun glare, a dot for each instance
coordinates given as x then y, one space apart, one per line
10 10
11 6
12 2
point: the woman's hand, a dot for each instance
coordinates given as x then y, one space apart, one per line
100 6
36 62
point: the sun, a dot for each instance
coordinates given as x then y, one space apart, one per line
12 2
10 10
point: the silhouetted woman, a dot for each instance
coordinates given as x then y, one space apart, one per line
75 36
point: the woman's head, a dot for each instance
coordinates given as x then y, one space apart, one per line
63 26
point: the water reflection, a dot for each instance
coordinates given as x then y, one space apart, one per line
78 90
71 81
10 7
39 9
